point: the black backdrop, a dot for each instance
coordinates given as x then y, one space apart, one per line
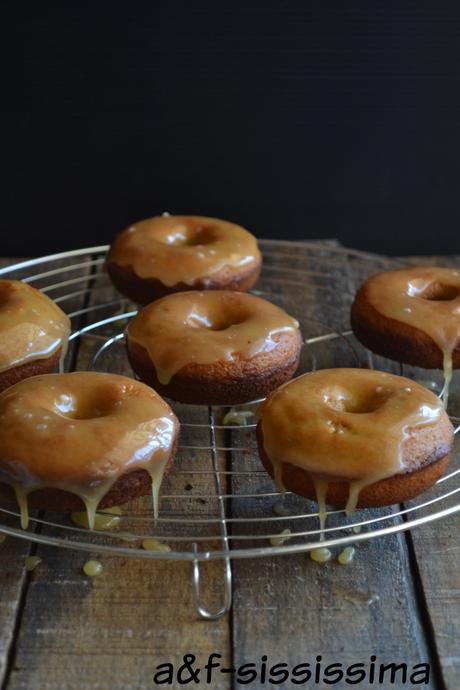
297 119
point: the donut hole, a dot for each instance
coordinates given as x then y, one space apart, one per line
362 403
184 236
440 292
219 321
91 406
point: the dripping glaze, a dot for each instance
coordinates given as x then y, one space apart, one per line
183 249
79 433
31 325
207 327
427 299
344 425
109 518
93 568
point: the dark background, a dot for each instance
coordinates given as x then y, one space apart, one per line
296 119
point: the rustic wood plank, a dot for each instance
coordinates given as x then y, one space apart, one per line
289 608
138 613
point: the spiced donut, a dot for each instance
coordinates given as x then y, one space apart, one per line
216 348
354 437
166 254
411 315
34 332
82 441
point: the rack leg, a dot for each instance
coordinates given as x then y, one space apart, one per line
201 610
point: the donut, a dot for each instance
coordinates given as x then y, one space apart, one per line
214 348
411 315
82 441
34 332
166 254
354 437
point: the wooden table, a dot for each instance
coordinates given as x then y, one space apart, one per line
399 601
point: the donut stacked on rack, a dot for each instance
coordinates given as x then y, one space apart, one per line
215 348
34 332
82 441
412 315
166 254
354 437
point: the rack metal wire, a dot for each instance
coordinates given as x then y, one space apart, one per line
232 509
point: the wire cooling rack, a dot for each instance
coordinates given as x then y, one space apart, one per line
218 502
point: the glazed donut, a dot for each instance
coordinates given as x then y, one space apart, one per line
411 315
83 440
166 254
354 437
213 348
33 332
